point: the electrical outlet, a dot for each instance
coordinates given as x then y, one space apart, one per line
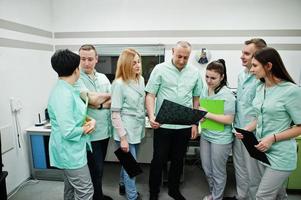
15 105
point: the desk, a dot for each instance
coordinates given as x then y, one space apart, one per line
38 138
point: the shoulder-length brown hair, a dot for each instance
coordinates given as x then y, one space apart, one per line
125 65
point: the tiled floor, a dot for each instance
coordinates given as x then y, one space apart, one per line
194 186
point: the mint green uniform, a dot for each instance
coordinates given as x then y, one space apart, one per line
277 107
225 136
68 143
167 82
246 91
215 146
100 84
128 99
246 167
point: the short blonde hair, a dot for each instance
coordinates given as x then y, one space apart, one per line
124 65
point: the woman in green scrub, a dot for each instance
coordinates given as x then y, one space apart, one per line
68 139
128 111
215 145
277 104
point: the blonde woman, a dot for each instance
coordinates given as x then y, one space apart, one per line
128 111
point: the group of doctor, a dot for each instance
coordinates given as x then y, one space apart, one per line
83 107
266 105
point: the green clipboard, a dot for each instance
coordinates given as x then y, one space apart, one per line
216 107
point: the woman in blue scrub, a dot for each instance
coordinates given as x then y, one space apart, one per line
69 132
277 105
128 111
215 145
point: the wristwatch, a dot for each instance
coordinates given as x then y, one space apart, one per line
100 106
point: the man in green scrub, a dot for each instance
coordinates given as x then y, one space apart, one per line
245 166
176 81
97 87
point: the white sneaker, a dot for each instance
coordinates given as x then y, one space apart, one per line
208 197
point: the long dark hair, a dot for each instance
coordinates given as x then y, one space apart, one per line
219 66
271 55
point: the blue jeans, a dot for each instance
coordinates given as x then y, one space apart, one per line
129 183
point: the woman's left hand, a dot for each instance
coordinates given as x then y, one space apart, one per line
265 143
124 145
90 125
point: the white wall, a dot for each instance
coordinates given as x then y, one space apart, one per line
219 15
26 75
95 15
36 13
233 63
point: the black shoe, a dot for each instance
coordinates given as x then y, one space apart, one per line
153 197
229 198
121 189
176 195
105 197
138 196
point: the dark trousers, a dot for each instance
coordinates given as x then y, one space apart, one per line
96 164
169 144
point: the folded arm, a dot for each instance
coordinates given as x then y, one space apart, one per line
97 99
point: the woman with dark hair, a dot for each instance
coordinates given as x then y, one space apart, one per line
215 145
70 130
277 105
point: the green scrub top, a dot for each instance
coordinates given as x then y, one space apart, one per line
129 100
246 91
225 136
277 107
68 143
167 82
103 116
